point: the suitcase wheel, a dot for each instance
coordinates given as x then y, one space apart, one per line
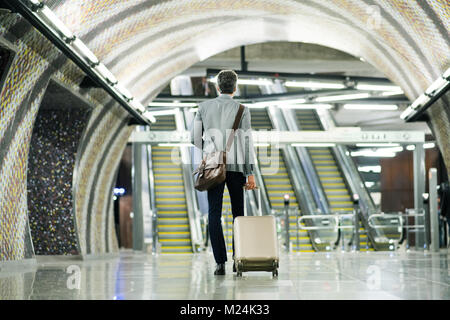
239 267
275 273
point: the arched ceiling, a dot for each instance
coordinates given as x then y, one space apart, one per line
146 43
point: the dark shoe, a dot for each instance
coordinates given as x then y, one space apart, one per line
220 269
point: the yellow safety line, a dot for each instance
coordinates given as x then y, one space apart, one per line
173 226
173 232
170 205
169 192
168 187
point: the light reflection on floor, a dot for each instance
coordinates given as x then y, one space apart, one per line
374 275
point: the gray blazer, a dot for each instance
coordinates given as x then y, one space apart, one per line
211 129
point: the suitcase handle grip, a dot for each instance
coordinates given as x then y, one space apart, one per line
259 200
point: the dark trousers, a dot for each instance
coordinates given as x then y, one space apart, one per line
235 182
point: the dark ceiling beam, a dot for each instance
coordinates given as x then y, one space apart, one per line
310 76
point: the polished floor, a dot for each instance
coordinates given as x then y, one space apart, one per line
305 276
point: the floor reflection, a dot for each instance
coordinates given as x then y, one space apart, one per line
371 275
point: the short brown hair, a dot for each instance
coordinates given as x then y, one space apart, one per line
226 81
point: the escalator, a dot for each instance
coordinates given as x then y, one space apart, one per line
330 176
278 184
173 221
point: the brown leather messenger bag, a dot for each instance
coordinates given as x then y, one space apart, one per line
212 170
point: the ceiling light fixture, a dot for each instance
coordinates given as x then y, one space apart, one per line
317 106
392 93
343 97
181 144
374 87
384 107
315 85
377 144
123 91
106 74
315 145
278 103
85 52
248 82
53 21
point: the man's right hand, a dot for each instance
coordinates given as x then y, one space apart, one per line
250 185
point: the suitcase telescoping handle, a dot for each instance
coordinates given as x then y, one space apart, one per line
258 191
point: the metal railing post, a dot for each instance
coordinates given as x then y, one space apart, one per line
426 208
286 209
356 208
434 218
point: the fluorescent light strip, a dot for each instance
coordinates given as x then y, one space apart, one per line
373 87
446 74
175 145
387 149
137 105
248 82
377 144
317 106
317 145
429 145
374 169
436 86
50 18
406 113
84 51
392 93
123 91
257 82
172 104
387 107
311 84
106 74
373 154
420 101
343 97
264 104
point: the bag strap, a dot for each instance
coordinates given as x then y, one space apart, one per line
237 120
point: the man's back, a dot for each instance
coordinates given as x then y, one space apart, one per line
215 118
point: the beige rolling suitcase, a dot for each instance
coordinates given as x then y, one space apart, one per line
255 243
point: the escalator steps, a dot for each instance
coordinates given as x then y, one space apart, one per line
173 222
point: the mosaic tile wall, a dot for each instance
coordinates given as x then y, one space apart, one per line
35 62
51 162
